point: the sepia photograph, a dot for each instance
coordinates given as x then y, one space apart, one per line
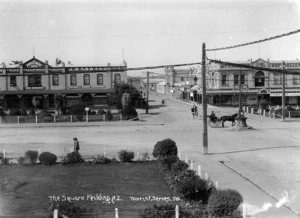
149 109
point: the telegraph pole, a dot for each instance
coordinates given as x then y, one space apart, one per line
204 103
283 92
147 91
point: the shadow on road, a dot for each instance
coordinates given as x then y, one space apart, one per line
257 149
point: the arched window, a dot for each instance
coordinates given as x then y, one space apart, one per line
86 79
259 79
73 80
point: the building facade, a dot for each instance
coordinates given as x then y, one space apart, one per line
184 83
256 85
37 84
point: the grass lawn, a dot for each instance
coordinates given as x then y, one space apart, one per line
27 189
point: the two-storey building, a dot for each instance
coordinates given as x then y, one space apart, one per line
224 83
38 84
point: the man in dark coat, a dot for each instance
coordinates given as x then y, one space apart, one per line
76 145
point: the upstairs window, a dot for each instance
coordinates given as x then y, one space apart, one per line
55 80
242 79
73 79
13 80
86 79
117 78
277 79
99 79
259 79
296 79
236 79
224 78
34 81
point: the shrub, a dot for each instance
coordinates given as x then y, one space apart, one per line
32 155
72 158
224 202
178 167
168 161
101 159
163 211
126 156
164 148
109 115
191 186
129 112
2 113
5 161
21 160
114 160
69 209
47 158
101 111
77 109
194 188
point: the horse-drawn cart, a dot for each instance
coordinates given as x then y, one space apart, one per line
215 122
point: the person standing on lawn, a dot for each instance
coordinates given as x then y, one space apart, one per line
76 145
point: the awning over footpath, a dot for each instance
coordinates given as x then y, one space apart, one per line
185 88
229 92
196 87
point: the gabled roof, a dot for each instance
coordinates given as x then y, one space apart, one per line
34 63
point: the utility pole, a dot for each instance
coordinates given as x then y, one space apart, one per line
283 92
204 103
240 97
147 91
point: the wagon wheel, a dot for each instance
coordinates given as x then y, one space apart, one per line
213 124
218 123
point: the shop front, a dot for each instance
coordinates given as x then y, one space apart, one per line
291 98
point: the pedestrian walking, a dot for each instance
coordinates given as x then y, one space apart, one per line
76 145
194 111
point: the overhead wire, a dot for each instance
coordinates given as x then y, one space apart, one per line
254 42
284 71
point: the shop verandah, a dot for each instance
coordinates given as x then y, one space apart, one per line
54 101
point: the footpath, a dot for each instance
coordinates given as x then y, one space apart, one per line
258 202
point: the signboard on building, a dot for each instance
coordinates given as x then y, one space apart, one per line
95 69
13 70
286 94
34 70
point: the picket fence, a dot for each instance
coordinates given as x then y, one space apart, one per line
271 113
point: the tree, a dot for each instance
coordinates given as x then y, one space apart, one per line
132 95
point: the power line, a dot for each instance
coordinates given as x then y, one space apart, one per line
254 42
255 68
163 66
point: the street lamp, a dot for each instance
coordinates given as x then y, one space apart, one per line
87 113
241 119
283 91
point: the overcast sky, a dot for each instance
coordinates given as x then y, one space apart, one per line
149 32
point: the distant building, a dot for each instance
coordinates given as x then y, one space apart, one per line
184 83
223 83
36 83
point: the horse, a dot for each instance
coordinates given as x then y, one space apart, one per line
228 118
